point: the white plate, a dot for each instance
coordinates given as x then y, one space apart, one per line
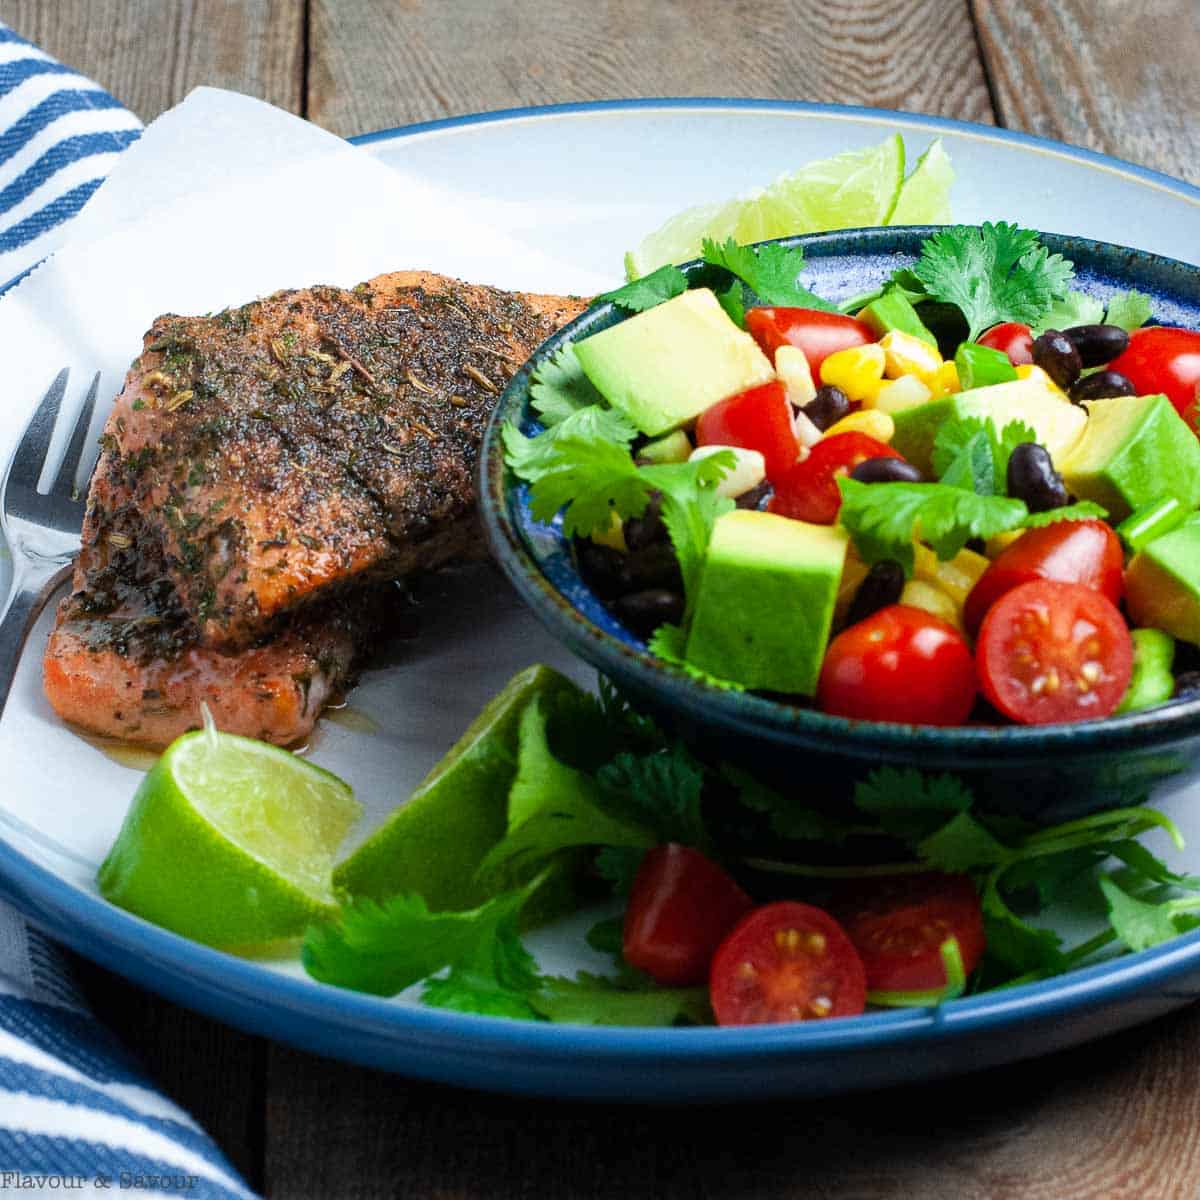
588 182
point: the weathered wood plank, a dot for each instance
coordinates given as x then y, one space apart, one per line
376 63
1115 1119
151 53
214 1072
1113 75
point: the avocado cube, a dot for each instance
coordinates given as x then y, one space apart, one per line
1135 449
893 311
1162 583
668 364
764 605
1056 422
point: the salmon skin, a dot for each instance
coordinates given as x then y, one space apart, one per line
264 474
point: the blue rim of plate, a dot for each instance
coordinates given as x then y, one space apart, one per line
141 951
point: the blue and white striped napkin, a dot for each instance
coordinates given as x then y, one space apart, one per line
76 1112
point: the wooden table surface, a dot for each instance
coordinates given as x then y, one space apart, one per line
1119 1118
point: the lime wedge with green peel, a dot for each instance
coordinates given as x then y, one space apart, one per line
230 841
925 195
857 188
434 842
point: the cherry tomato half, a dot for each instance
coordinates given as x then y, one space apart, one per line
786 962
1011 338
809 491
901 664
1051 651
759 419
681 906
819 334
898 925
1086 552
1159 359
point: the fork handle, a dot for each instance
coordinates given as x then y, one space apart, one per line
34 582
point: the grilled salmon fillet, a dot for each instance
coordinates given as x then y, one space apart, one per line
263 474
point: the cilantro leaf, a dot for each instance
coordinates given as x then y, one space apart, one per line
1130 310
772 272
552 807
664 284
1137 923
962 844
993 273
733 301
885 519
969 453
1082 510
589 482
661 791
594 1000
618 865
1075 308
910 804
384 948
532 457
1020 946
789 819
559 388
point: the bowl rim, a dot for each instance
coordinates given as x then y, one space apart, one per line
758 716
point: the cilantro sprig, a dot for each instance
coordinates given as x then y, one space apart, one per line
991 273
969 452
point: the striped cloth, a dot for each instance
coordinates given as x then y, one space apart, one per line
76 1112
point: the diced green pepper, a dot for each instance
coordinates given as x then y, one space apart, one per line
1151 521
1153 681
981 366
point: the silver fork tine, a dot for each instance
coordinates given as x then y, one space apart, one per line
64 485
31 453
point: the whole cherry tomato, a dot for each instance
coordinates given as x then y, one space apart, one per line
901 664
1159 359
786 962
1051 651
899 923
1086 552
1011 338
809 491
759 419
819 334
681 906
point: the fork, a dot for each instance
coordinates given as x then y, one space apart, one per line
41 528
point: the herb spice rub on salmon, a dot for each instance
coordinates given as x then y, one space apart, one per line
263 474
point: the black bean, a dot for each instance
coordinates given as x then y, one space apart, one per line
827 407
644 612
653 566
886 470
1055 353
1187 686
1102 385
1098 344
882 586
648 529
603 568
1032 478
755 497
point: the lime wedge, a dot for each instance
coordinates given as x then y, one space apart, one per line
925 195
857 188
230 841
434 842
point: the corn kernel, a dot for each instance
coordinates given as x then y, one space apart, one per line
791 365
946 381
1001 542
870 421
920 594
613 536
1030 371
854 571
857 371
898 394
956 577
904 354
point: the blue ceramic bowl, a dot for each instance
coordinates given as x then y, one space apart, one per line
1049 773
